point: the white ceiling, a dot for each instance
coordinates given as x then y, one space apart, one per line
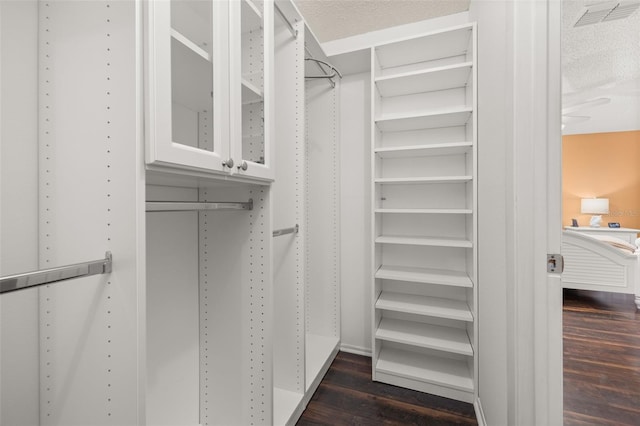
335 19
601 72
601 62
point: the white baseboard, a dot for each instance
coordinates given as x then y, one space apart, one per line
479 413
355 350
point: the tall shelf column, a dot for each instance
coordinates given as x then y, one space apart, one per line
424 207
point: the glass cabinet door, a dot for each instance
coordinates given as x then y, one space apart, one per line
187 90
251 86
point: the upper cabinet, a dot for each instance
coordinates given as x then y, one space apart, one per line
209 84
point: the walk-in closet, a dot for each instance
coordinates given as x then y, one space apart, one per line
213 205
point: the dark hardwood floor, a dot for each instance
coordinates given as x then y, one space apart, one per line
601 359
601 376
347 396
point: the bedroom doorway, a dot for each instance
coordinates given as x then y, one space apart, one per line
600 152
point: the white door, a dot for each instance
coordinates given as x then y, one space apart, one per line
251 86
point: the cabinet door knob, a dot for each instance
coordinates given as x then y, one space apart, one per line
243 165
228 163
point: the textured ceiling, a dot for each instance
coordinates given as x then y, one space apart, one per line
335 19
600 61
600 54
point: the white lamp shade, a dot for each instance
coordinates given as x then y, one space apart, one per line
594 205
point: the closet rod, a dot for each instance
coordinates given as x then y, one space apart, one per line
181 206
49 276
284 231
294 32
324 72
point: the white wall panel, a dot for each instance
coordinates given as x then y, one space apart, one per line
90 184
322 296
19 381
355 217
494 222
235 316
288 210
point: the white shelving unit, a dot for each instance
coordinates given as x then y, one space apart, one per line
424 213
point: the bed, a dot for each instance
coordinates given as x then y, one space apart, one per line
601 264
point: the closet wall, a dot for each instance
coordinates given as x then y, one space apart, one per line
89 203
78 360
19 209
289 195
355 206
322 293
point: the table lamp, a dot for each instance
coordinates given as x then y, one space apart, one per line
596 207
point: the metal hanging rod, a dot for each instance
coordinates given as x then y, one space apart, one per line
285 231
49 276
181 206
325 74
294 32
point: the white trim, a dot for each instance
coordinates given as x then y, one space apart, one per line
367 40
535 375
357 350
477 406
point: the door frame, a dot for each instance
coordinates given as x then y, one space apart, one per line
536 370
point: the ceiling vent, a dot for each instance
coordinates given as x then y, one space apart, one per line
607 11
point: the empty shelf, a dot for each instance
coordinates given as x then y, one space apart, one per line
424 275
429 80
446 339
423 305
424 241
250 92
419 180
285 403
190 45
424 120
318 350
437 45
251 16
425 211
451 148
450 373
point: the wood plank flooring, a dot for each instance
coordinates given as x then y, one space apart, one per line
601 376
601 359
347 396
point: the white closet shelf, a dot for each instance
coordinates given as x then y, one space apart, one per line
190 45
424 211
318 349
446 339
418 180
191 76
424 120
424 305
251 93
424 241
285 402
432 46
429 80
424 275
451 148
450 373
251 16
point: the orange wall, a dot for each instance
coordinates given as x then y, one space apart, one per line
602 165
